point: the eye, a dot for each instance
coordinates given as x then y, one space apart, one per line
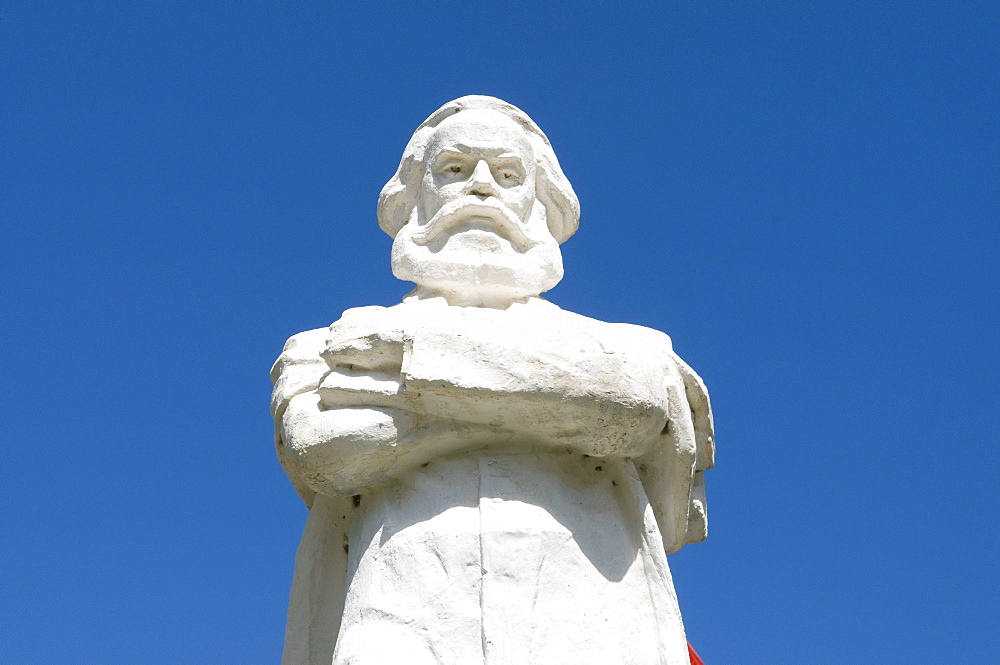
510 177
451 169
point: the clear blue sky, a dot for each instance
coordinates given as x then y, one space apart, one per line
803 195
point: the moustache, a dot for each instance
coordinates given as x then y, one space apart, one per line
460 210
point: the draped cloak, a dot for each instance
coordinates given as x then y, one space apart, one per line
526 537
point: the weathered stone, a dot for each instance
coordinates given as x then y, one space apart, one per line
491 479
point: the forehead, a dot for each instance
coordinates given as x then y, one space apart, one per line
478 130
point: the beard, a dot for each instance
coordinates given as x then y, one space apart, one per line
475 252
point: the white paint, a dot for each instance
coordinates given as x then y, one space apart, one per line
492 479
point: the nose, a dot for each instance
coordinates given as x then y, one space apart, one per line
481 183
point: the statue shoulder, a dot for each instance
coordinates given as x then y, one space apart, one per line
628 336
649 338
301 348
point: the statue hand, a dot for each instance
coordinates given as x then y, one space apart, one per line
364 351
365 339
348 388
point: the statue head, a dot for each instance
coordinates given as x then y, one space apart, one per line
478 206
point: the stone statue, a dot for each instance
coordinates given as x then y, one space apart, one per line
491 479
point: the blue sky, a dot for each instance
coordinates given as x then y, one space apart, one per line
803 195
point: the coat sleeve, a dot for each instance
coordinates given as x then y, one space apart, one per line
704 434
299 369
672 471
319 588
316 601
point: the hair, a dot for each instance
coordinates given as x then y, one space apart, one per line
552 189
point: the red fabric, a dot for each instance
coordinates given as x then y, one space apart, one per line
695 660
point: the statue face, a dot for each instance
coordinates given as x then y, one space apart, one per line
478 234
482 155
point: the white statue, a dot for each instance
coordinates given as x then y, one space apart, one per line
491 479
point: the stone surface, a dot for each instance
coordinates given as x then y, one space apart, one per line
491 479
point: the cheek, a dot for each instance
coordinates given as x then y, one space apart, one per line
521 197
441 190
431 195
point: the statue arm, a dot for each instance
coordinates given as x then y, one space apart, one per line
325 448
565 388
340 430
394 400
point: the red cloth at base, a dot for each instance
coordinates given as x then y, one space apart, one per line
695 660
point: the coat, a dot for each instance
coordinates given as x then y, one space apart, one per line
489 486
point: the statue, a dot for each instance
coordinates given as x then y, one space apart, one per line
491 479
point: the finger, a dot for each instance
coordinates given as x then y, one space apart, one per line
341 388
375 351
